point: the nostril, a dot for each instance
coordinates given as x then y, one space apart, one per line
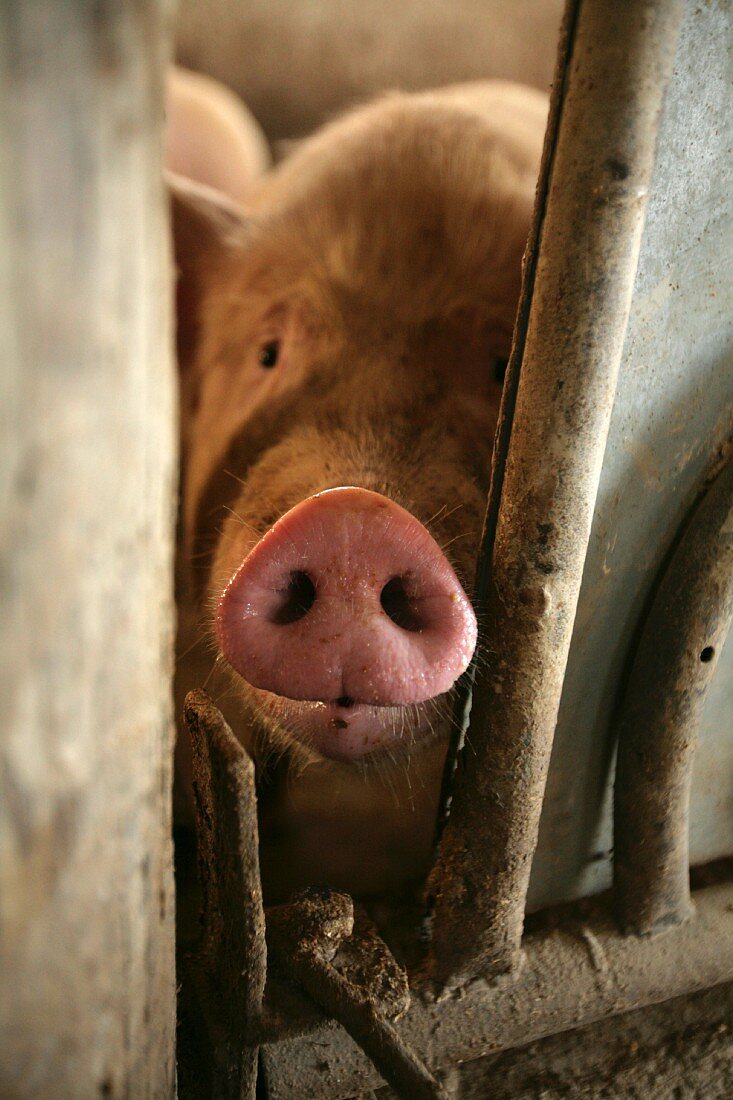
400 607
378 614
296 600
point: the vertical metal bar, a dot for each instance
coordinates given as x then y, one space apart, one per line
621 59
464 693
658 725
233 950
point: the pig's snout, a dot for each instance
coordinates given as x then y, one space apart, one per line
347 599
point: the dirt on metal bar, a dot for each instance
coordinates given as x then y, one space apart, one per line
588 251
363 957
659 721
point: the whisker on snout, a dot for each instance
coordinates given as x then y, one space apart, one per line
463 535
247 526
444 513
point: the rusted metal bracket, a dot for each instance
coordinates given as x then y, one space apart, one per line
305 936
317 942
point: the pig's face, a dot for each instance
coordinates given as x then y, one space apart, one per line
400 414
335 342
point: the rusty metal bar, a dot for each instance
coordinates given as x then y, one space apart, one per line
464 688
621 59
658 726
573 975
377 1037
232 958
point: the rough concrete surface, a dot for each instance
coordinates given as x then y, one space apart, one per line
679 1050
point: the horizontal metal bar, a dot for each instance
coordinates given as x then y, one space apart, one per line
570 977
620 63
658 725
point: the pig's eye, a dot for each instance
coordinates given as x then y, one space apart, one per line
499 369
269 354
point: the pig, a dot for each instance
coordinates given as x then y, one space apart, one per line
341 343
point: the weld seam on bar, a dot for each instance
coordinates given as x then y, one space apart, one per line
621 60
659 721
571 977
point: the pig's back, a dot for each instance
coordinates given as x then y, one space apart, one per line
512 117
515 112
417 199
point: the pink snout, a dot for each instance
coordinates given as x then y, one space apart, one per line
347 598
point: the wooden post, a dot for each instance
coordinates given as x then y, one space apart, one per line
86 511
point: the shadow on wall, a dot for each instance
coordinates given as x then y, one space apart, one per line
295 62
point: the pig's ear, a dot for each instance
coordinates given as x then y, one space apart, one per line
208 228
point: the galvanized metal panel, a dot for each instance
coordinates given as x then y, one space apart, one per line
673 414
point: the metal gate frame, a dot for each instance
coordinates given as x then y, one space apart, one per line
478 986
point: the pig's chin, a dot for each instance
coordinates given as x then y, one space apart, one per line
358 734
